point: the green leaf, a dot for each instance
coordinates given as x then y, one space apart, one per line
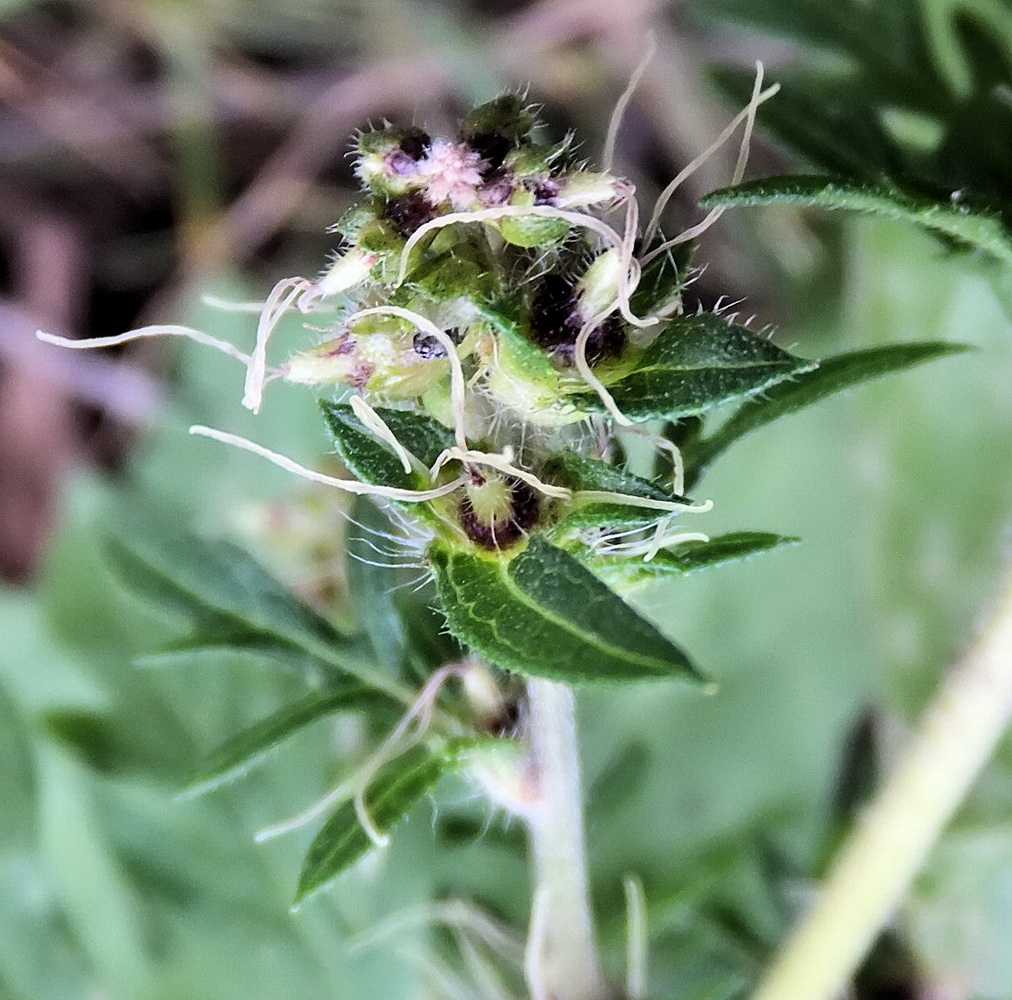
697 363
582 473
372 460
968 222
544 613
233 602
242 752
687 558
112 744
17 778
370 586
391 794
832 376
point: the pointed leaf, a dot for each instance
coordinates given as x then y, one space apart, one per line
695 364
543 613
832 376
391 794
973 224
372 460
242 752
687 558
233 602
582 473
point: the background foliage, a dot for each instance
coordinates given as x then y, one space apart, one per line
225 171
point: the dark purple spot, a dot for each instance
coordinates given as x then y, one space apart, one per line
555 324
492 147
416 143
359 375
497 188
345 345
409 211
545 192
428 347
508 528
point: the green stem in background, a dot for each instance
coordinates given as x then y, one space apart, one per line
562 961
875 867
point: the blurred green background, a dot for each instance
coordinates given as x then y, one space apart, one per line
154 152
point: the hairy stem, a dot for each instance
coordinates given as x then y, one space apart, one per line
562 956
953 741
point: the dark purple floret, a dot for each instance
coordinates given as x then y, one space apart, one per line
408 211
545 192
553 313
497 188
492 147
428 347
507 530
416 143
556 323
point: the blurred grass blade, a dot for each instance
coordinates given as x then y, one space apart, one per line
242 752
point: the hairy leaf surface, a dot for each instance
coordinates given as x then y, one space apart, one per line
372 460
963 220
390 795
544 613
695 364
688 558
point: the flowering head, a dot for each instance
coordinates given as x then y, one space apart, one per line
484 289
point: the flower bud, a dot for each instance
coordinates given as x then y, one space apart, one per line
386 363
583 188
497 510
347 271
388 159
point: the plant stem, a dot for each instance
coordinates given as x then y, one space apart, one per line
953 741
562 952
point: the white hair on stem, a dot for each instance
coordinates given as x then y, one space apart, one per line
739 171
615 123
283 295
348 485
458 386
143 332
636 938
747 113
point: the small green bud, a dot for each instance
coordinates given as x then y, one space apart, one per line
492 129
584 188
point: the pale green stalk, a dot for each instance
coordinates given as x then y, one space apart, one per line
876 865
562 956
